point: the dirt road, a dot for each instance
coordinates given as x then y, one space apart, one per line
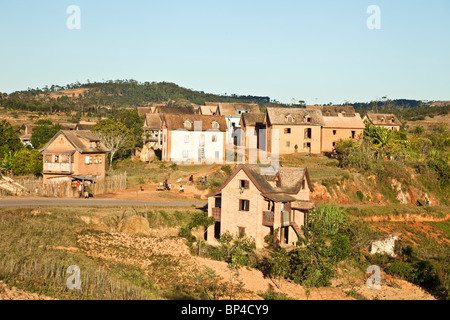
55 202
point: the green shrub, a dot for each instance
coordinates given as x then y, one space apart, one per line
360 195
272 295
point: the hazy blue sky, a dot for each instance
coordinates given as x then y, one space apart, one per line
318 51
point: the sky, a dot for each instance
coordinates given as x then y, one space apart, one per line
318 51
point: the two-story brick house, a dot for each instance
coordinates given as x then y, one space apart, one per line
290 130
73 155
340 122
258 201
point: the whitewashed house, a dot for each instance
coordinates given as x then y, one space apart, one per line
193 138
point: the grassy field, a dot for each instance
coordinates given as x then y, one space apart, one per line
38 245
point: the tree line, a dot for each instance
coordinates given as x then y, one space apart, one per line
111 95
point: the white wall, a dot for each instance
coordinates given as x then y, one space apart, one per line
185 146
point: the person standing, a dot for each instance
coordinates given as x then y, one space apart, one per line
80 189
86 193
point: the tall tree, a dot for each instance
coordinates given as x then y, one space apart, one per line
9 138
43 132
113 134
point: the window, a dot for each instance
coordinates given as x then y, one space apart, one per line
244 205
186 139
308 119
244 184
308 133
214 138
56 159
87 159
185 154
96 159
241 231
217 155
353 134
287 130
334 132
288 143
188 124
215 125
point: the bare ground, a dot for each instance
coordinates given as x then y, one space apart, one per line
12 293
145 249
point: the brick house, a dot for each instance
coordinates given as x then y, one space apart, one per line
258 202
340 122
293 130
73 155
389 121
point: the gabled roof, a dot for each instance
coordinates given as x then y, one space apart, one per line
175 110
152 121
177 122
68 125
84 125
252 119
290 180
207 110
231 109
75 138
144 110
382 119
280 116
333 111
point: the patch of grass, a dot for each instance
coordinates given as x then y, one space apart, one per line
398 210
169 217
272 295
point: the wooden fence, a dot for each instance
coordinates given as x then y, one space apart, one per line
31 186
64 187
110 183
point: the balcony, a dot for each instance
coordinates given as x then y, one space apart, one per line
57 167
217 214
268 217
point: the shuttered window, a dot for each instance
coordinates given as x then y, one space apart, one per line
245 184
244 205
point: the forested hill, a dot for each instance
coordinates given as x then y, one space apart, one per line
404 109
103 98
111 94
